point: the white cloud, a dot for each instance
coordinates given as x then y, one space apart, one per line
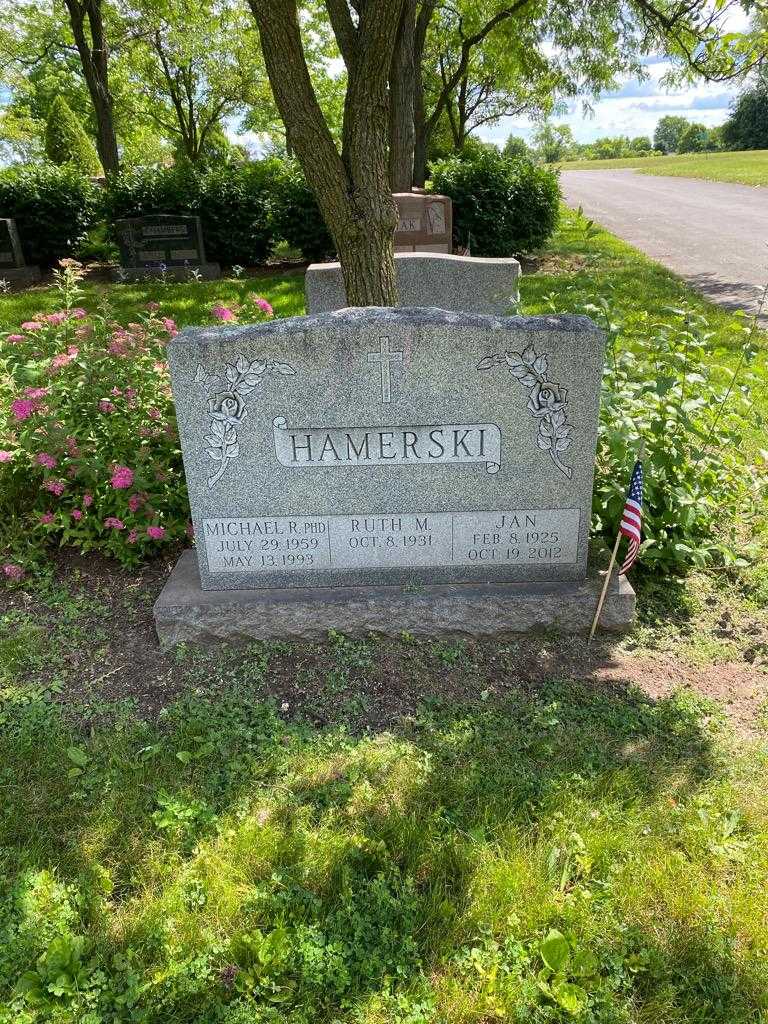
633 108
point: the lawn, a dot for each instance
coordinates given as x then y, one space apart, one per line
187 304
388 832
749 167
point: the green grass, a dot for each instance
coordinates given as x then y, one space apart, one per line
233 861
187 304
227 864
750 167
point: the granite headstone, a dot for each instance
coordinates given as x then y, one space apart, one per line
456 283
162 245
387 469
12 266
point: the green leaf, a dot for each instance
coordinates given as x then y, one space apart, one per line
571 997
184 756
78 756
555 951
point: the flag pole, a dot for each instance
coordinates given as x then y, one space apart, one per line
607 580
604 591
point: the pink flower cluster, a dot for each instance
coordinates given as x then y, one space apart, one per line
23 408
13 572
263 305
54 486
122 478
44 459
223 313
6 456
63 359
114 523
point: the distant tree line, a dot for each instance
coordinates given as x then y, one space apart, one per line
746 128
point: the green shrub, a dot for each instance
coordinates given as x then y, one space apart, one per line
236 211
500 206
297 218
66 141
234 204
700 486
53 207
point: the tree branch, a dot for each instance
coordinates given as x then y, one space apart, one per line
343 28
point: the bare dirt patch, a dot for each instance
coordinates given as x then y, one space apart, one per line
94 624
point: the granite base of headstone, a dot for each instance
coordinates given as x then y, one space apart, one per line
162 246
456 283
13 268
185 613
386 470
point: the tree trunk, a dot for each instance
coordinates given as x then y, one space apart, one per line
352 188
419 112
402 86
94 57
369 269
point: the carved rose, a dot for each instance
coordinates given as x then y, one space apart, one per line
227 406
546 398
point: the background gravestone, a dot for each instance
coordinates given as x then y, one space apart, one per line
425 222
458 283
162 245
12 265
387 469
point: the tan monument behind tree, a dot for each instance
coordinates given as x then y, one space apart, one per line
425 222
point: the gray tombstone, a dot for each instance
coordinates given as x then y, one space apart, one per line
12 266
387 469
162 245
458 283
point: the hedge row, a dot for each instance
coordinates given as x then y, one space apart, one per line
53 208
244 208
501 206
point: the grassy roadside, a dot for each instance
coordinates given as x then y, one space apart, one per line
748 167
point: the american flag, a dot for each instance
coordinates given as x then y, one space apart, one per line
632 517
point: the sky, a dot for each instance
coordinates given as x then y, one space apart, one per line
633 109
636 105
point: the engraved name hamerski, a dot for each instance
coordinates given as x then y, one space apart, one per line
226 404
396 445
547 401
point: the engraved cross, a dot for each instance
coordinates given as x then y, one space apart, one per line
385 357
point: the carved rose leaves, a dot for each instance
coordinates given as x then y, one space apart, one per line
547 401
226 405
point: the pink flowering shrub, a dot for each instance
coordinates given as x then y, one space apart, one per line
89 451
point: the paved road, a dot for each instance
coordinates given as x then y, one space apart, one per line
714 234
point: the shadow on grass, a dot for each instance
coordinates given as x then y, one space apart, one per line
227 822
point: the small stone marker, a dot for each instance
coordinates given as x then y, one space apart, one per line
387 470
425 222
162 245
12 266
456 283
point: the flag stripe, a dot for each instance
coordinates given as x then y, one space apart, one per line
631 523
